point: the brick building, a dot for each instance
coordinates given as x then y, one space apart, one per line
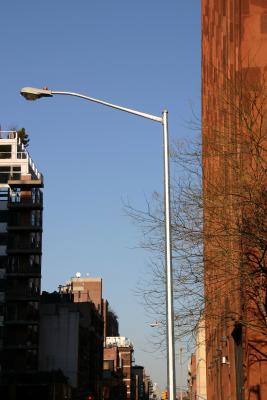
85 289
234 64
119 350
21 205
114 388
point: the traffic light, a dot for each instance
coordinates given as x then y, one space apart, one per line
90 397
164 395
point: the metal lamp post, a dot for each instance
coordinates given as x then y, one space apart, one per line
33 94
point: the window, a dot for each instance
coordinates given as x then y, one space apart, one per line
3 261
3 239
3 194
5 151
108 365
4 173
3 215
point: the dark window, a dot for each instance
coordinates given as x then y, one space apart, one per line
4 174
3 261
5 151
3 215
3 239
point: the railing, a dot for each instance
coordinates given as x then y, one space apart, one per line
23 154
31 315
24 269
35 198
8 134
20 155
21 242
31 163
19 222
23 292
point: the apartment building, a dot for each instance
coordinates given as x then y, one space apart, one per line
21 205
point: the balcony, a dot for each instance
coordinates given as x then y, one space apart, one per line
23 318
34 272
23 294
33 226
24 245
18 265
34 201
21 346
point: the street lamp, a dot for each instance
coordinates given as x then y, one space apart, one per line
33 94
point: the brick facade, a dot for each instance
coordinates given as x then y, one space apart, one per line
234 62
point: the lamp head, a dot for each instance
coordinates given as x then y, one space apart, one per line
31 93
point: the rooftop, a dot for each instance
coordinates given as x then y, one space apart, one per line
16 163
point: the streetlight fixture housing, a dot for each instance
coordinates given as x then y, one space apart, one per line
31 93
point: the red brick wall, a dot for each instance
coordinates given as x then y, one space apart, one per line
88 289
234 45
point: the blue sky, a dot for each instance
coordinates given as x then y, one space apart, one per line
140 54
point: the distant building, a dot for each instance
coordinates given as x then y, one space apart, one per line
21 205
125 356
111 324
138 385
197 382
114 387
71 340
192 387
201 380
85 289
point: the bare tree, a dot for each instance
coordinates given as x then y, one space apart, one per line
187 243
235 232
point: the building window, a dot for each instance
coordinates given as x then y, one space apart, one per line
5 151
3 215
3 239
3 261
4 174
3 194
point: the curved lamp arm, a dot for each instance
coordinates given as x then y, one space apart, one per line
34 93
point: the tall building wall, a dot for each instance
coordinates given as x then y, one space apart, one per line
234 64
71 339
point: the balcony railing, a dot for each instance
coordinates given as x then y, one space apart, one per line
20 223
34 199
23 293
24 269
22 243
29 316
